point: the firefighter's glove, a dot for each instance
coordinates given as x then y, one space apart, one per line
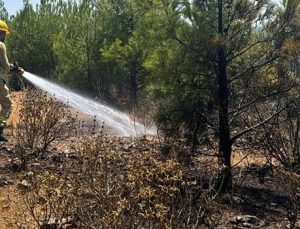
16 69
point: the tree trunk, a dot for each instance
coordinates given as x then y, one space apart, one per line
88 69
134 85
225 146
134 92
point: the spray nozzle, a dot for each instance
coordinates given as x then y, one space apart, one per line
15 68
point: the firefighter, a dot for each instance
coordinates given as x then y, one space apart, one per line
6 68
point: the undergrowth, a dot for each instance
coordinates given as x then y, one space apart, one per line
104 188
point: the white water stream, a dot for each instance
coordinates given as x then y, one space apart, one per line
112 118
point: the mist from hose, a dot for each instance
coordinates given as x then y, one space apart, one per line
112 118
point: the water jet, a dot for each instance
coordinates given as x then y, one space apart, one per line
113 118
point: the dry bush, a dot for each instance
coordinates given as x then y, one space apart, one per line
47 202
143 113
161 196
291 181
282 139
105 188
43 120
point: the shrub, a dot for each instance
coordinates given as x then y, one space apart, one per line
43 120
291 181
184 118
282 139
106 188
143 115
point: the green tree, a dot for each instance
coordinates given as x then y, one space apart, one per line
228 49
129 59
124 49
31 39
3 11
77 44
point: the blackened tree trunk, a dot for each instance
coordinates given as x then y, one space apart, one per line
224 130
225 146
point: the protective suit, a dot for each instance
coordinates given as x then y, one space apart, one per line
4 92
6 68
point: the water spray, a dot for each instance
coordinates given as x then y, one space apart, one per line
113 118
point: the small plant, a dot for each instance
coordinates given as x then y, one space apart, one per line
43 120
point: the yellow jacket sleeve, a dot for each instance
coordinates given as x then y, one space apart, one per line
3 58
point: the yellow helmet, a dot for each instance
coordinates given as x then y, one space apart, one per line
4 27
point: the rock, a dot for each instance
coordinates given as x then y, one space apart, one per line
246 221
247 218
30 175
24 185
5 206
65 223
